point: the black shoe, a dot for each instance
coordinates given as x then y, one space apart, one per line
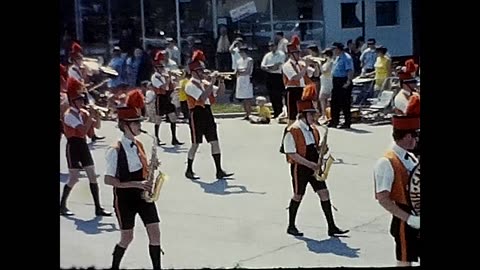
222 174
96 138
65 212
335 231
191 175
344 126
160 143
294 231
102 212
176 142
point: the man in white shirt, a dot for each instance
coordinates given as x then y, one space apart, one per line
127 171
172 50
392 185
301 142
200 96
282 42
272 64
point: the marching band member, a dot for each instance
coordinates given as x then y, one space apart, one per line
403 96
200 96
161 81
64 105
76 71
300 144
127 171
77 121
393 183
296 75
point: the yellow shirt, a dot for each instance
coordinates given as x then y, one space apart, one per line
182 95
381 71
264 111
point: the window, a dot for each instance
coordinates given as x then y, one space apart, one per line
349 15
387 13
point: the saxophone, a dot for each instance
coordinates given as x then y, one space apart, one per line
153 194
321 173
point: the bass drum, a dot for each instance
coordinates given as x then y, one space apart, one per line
414 190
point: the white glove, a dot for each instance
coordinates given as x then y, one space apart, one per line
414 221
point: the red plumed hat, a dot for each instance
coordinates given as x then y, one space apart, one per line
74 89
76 50
198 55
413 107
305 106
133 109
197 61
411 119
293 46
159 58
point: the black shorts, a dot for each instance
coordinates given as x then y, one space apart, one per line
164 105
78 154
407 241
301 176
127 203
294 94
202 124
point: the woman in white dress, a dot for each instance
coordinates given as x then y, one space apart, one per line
326 82
244 89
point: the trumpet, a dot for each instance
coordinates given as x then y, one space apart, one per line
223 75
175 72
318 60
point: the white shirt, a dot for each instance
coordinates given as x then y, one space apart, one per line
150 96
174 54
157 80
133 160
282 45
272 58
242 64
289 142
171 65
288 70
383 170
74 71
195 92
73 120
401 100
235 57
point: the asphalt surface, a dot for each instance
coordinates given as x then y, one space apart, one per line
209 223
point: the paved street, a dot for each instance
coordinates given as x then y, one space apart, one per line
241 222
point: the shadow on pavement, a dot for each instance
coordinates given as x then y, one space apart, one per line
174 149
223 187
332 245
93 226
358 131
340 161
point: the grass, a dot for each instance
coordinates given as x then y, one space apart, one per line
227 108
